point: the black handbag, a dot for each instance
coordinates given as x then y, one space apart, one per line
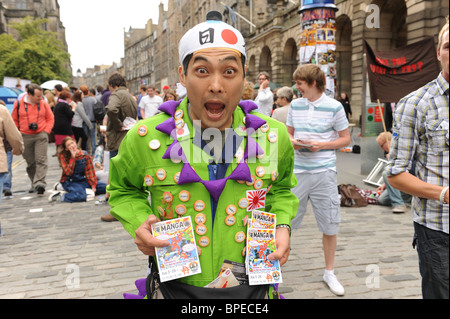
178 290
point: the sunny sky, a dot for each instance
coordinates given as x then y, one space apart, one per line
94 28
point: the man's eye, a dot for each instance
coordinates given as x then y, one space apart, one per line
230 71
201 70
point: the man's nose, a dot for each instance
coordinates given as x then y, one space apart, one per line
216 86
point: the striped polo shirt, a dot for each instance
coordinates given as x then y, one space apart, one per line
320 121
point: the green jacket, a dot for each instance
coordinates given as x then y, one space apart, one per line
136 161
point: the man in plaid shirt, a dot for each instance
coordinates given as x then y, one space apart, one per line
421 135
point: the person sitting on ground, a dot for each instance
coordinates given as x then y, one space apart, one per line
78 175
389 196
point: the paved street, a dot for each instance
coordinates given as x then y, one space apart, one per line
46 247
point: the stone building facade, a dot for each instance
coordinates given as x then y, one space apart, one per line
272 31
15 10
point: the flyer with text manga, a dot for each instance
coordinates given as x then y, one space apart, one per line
180 258
260 244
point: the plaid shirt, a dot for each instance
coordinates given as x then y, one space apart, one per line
89 172
421 135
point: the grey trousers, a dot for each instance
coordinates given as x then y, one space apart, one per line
35 154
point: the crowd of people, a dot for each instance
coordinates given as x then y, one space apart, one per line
129 150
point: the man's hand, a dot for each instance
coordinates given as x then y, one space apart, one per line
265 84
144 238
283 242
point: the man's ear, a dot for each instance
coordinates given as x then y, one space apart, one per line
181 75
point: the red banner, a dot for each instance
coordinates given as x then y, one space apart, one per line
394 74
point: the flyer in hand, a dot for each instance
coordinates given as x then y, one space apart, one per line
260 244
263 220
180 258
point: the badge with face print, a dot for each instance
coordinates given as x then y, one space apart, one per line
200 218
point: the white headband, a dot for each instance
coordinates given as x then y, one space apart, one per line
211 34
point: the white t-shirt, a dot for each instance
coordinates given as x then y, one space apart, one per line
150 105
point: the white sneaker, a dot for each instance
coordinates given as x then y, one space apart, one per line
334 284
90 194
58 187
56 196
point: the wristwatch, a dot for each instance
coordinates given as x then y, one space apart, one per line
285 226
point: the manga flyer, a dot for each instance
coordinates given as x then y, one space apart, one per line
260 244
263 220
261 271
180 258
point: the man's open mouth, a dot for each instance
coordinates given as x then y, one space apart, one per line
214 109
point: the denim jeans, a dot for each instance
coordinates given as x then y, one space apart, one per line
92 134
391 196
7 183
2 180
432 248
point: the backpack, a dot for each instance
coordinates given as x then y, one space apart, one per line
99 111
350 197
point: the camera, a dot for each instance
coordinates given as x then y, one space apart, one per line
33 126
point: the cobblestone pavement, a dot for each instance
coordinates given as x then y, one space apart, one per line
64 251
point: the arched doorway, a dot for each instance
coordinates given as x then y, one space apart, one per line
265 61
343 54
392 32
290 62
251 69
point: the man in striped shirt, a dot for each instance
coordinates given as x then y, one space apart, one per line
421 135
317 126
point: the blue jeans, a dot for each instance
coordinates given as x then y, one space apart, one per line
92 134
7 184
2 180
392 196
432 249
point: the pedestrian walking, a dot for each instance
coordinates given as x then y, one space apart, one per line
79 119
63 113
421 136
8 134
34 119
88 103
345 101
207 187
149 103
264 99
317 126
121 106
